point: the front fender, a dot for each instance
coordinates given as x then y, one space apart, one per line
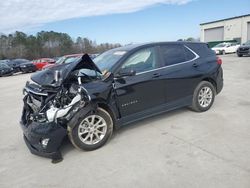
90 108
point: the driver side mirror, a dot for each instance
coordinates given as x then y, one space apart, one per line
125 72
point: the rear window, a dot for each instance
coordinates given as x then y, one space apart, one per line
201 49
172 54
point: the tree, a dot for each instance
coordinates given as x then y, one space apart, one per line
47 44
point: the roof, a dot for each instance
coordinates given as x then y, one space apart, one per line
133 46
225 19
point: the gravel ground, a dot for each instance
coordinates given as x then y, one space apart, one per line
176 149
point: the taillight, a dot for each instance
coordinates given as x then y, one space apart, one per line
219 61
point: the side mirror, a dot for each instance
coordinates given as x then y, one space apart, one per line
57 76
125 72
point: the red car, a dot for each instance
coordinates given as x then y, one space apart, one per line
64 59
40 63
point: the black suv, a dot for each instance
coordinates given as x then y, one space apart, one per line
244 49
87 100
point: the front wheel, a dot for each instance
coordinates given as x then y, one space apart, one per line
203 97
239 55
92 131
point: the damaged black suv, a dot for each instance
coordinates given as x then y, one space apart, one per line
85 100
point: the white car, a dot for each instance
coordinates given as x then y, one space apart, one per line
225 48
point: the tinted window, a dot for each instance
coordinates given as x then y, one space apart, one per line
140 61
172 54
189 55
201 49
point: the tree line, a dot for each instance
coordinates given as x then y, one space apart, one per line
47 44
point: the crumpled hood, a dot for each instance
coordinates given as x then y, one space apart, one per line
46 77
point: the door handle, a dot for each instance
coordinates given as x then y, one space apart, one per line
156 75
195 65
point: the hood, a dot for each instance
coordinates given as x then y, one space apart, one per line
245 46
46 77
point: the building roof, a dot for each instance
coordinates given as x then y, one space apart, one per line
225 19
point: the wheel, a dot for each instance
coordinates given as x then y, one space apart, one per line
92 131
239 55
203 97
223 52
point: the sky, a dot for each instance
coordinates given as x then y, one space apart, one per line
117 21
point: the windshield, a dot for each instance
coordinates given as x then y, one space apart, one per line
60 60
2 65
106 60
247 43
66 59
221 45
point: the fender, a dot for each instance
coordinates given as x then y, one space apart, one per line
89 108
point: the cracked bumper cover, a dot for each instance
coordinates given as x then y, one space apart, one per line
35 132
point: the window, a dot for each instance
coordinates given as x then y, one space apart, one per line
108 59
172 54
140 61
189 55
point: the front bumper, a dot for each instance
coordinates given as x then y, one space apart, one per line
243 52
34 133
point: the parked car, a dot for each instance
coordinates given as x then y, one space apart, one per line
225 48
93 56
64 59
244 49
4 61
40 63
15 64
5 70
28 67
87 100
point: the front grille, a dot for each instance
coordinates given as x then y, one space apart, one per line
244 49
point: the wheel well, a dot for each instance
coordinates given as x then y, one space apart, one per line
211 81
107 108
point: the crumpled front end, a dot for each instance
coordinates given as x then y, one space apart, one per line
45 116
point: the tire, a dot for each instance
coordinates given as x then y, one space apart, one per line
203 97
80 136
239 55
223 52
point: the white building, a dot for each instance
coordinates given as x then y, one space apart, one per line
236 28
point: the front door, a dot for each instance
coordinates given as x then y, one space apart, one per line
144 90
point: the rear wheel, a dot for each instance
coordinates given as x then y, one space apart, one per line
203 97
92 131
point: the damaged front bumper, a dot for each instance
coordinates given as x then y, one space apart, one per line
44 139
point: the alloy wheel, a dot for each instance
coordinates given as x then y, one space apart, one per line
205 97
92 129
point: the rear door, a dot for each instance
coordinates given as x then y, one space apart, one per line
144 90
181 74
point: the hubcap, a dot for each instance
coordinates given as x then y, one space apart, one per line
92 129
205 97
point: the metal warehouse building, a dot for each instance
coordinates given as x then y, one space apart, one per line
236 28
